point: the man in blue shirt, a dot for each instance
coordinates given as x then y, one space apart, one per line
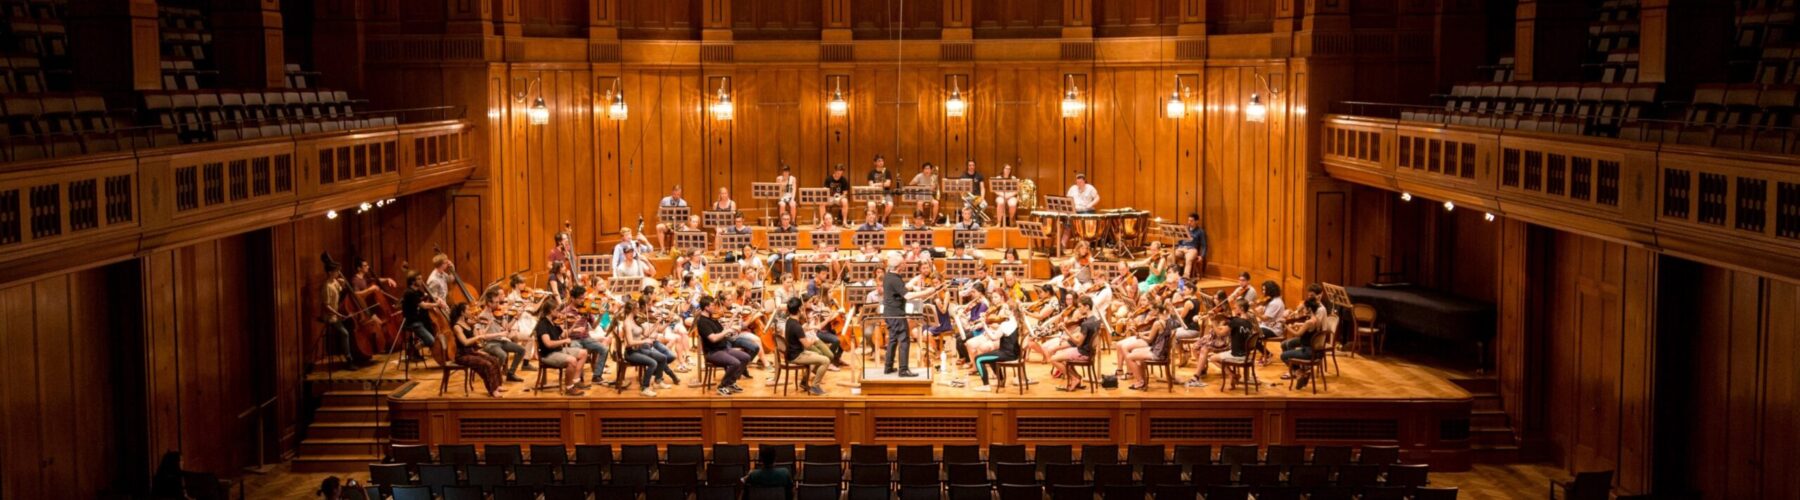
1193 248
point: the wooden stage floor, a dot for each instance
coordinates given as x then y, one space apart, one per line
1361 377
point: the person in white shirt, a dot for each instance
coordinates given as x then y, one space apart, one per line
1273 311
630 242
634 266
786 205
1084 195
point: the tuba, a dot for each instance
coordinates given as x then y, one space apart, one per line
1027 194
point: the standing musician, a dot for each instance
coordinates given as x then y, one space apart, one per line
786 204
560 249
443 272
894 296
1085 198
1006 204
723 203
339 326
927 209
559 281
470 354
555 351
838 184
880 178
804 347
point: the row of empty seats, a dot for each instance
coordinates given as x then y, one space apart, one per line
872 472
1747 116
1574 108
204 116
184 34
34 46
47 125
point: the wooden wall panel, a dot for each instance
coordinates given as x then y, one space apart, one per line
553 18
56 406
1018 19
776 20
661 20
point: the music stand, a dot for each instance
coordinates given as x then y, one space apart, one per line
724 271
672 215
827 241
1034 231
858 295
862 271
1059 204
917 194
624 285
598 263
1174 232
1106 272
730 242
754 296
784 242
811 267
969 238
1018 268
865 194
1007 186
918 236
763 193
1336 295
909 268
866 238
961 268
813 196
959 187
691 241
715 219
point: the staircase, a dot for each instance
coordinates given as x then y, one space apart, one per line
348 428
1491 436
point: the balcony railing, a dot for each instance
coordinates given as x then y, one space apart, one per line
1736 209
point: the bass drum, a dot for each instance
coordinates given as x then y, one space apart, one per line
1027 194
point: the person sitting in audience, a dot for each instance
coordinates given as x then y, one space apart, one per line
769 474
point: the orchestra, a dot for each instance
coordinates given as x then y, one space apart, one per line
822 309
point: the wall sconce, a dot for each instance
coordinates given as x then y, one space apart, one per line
721 106
1256 112
1449 206
954 106
1072 106
616 110
1176 108
538 113
837 106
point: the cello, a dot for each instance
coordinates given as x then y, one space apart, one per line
370 326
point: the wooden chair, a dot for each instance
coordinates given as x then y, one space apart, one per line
1151 366
1240 373
1369 333
452 368
1087 371
542 374
786 373
1001 368
620 366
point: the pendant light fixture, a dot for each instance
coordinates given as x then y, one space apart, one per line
955 107
1175 108
616 110
1072 107
721 107
837 106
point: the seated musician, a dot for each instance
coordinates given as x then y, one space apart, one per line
926 209
744 339
1148 346
634 265
641 350
969 316
828 223
722 202
716 343
1302 344
1003 330
416 305
1006 204
690 266
838 185
1192 251
805 348
469 352
555 351
363 279
1010 256
583 334
1244 290
881 178
1158 264
1240 334
871 222
629 241
490 326
824 314
869 254
781 260
1083 195
1080 335
977 188
558 283
1210 341
1272 311
786 204
666 326
674 199
965 220
737 227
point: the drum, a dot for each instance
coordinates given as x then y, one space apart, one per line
1091 227
1132 228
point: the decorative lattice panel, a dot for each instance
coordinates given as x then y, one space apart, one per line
662 428
1064 428
510 428
1346 429
925 427
1202 428
789 428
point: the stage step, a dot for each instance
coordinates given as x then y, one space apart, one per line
363 385
353 398
352 463
365 414
1478 385
346 430
348 446
1491 436
1487 402
1489 418
1506 454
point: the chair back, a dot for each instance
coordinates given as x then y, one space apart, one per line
1592 484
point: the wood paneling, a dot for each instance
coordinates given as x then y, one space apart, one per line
1137 17
56 412
877 19
553 18
776 19
660 20
1018 19
1232 17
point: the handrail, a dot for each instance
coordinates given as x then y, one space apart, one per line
128 135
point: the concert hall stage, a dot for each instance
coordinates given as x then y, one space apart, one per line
1377 401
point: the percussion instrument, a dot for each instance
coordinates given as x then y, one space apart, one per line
1027 194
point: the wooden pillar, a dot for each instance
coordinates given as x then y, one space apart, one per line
461 18
120 50
1193 18
1559 26
715 20
508 17
1078 19
1459 41
603 20
339 43
247 44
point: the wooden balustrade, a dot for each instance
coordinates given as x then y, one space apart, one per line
114 206
1731 208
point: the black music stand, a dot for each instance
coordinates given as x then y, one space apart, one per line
1106 272
921 237
812 197
961 268
863 195
672 215
712 220
1059 204
827 241
731 242
866 238
763 193
624 286
1018 268
1175 233
863 271
807 268
964 238
690 241
959 187
595 263
1035 231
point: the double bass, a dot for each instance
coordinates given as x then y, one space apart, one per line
371 327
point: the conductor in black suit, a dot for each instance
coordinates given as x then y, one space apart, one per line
894 296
